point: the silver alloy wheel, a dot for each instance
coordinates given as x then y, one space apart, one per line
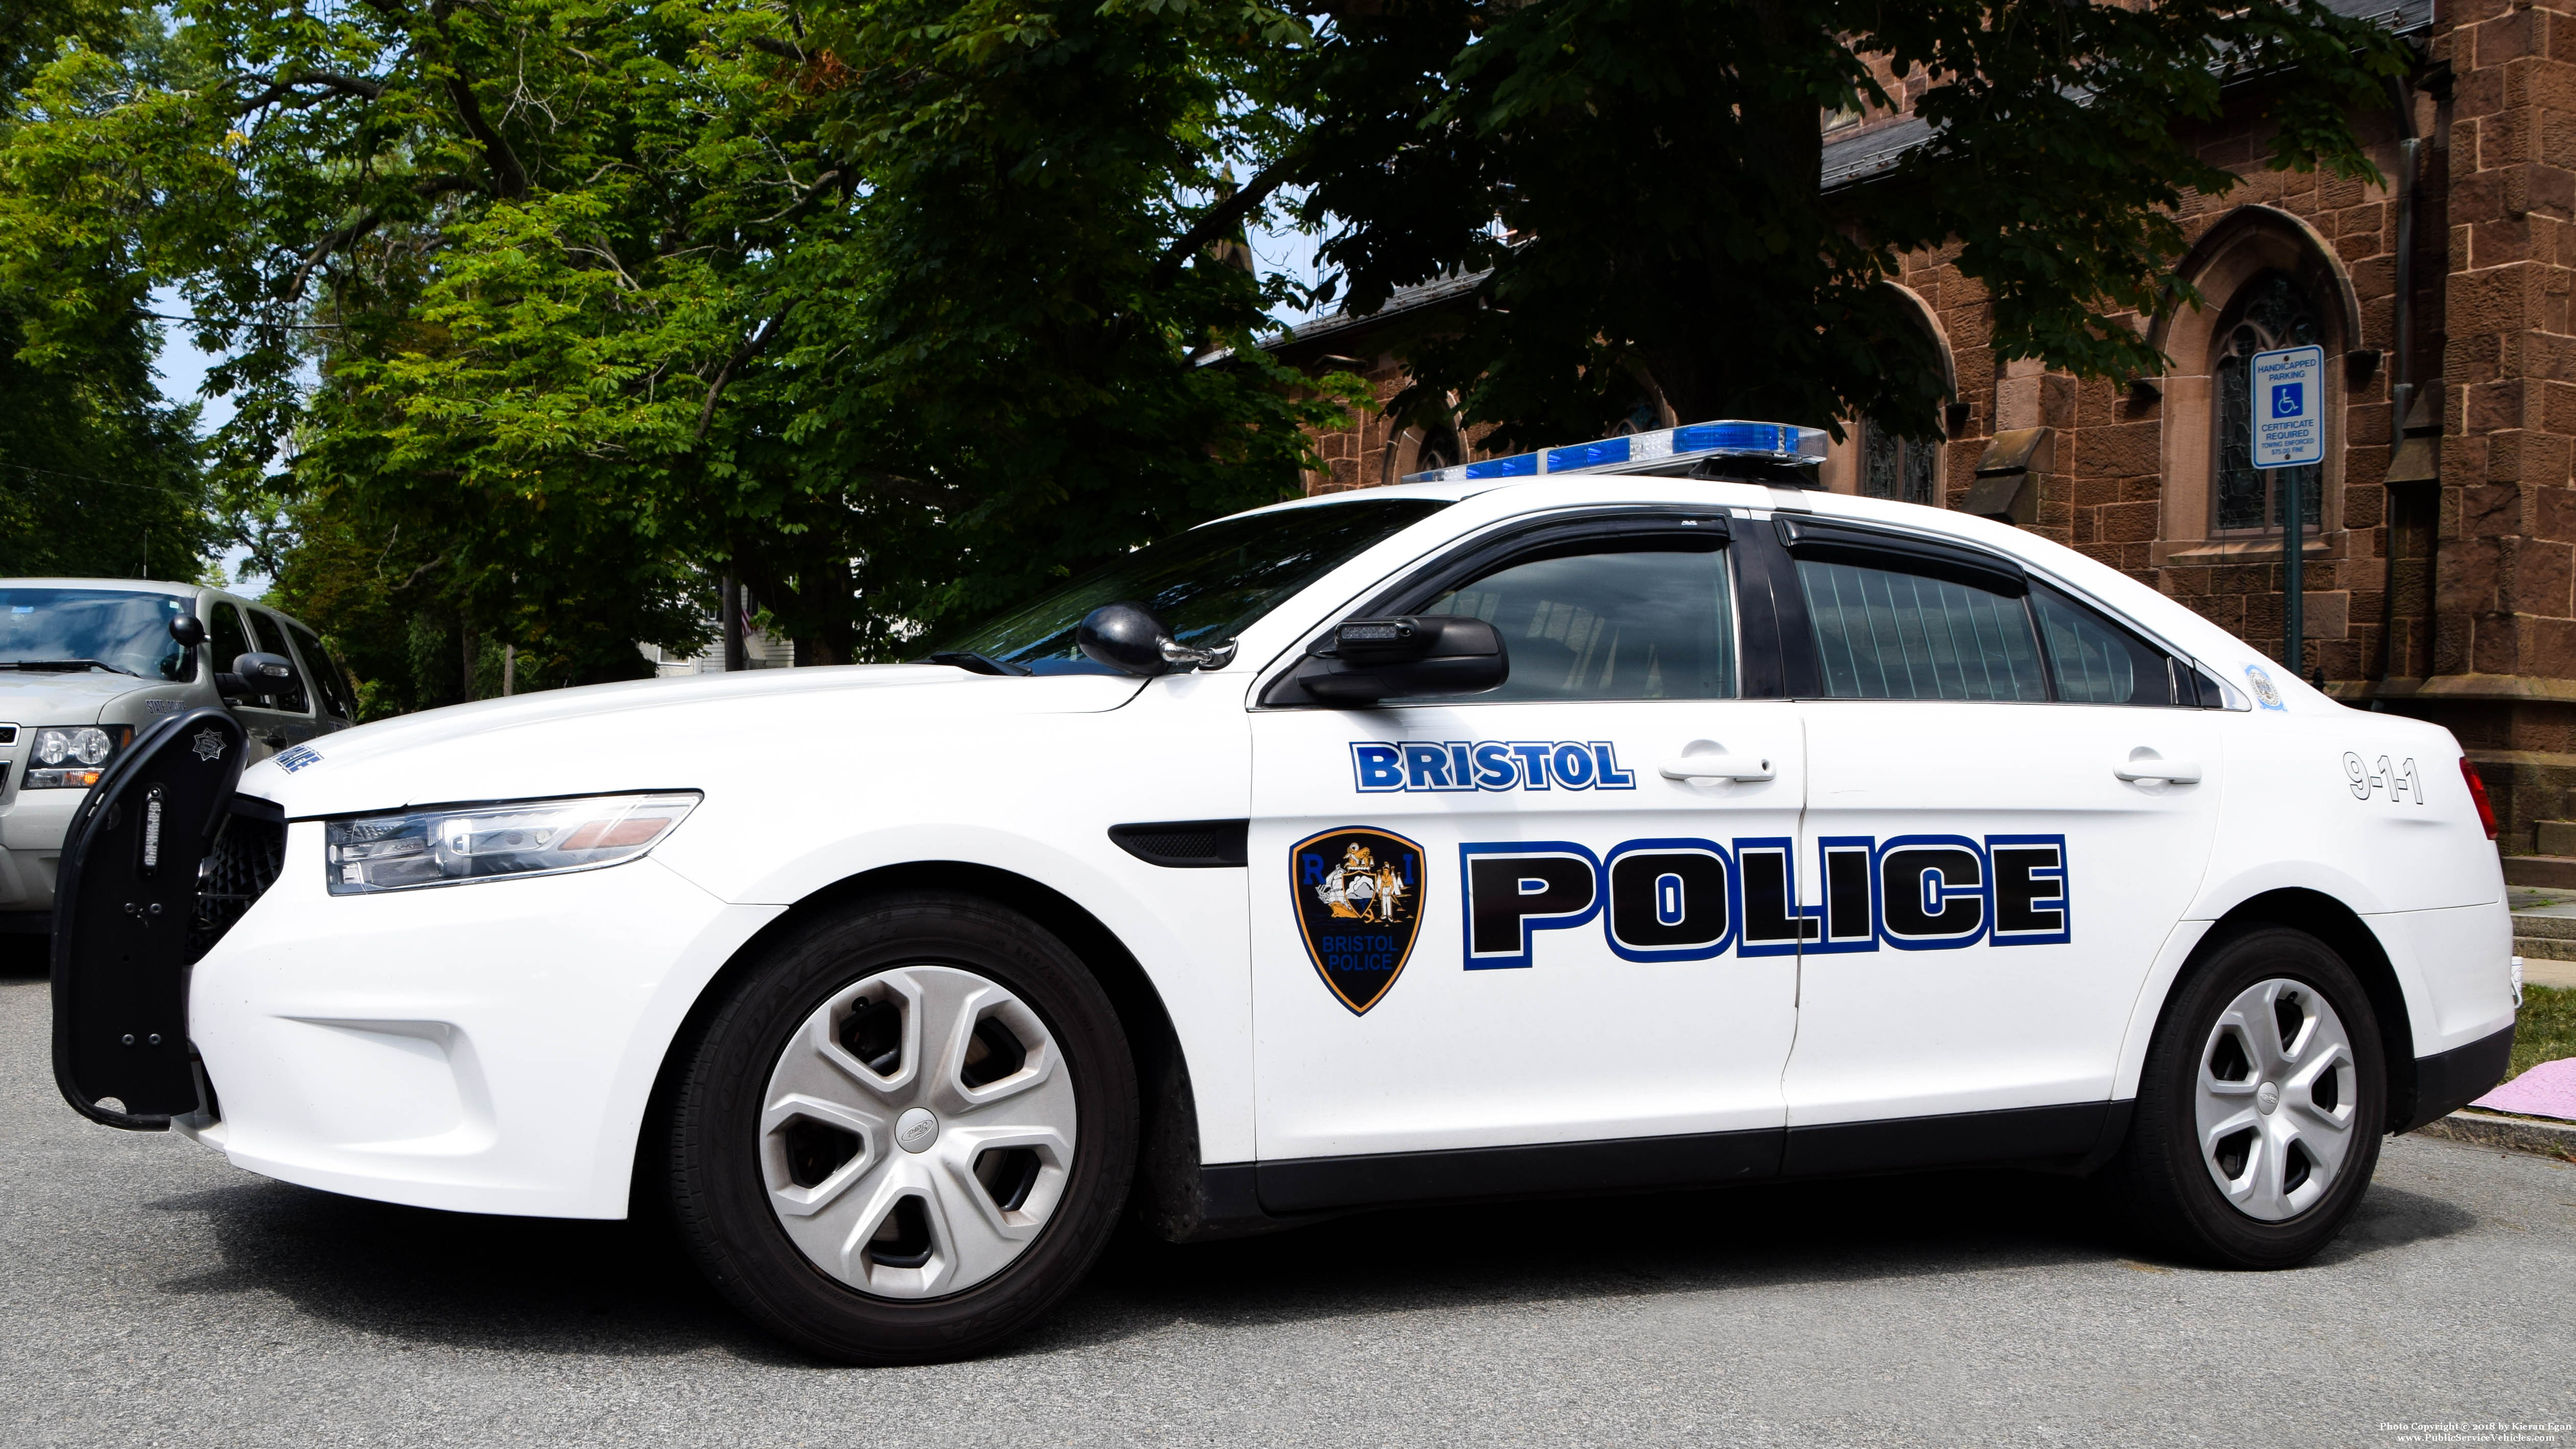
2276 1098
916 1132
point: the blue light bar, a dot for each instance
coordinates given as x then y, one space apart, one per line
1656 452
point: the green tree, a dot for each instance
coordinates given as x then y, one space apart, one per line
1642 179
541 313
98 475
1054 363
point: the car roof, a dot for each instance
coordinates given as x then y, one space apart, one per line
151 586
2143 605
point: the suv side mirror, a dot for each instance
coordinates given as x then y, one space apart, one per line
258 669
1366 660
256 673
1129 639
189 630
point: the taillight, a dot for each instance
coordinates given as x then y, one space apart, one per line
2478 793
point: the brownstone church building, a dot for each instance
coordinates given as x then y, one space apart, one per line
2439 537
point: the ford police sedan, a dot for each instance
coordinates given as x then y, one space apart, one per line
1623 816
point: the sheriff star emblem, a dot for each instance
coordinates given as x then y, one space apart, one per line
210 745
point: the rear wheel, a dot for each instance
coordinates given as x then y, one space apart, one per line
906 1132
2260 1107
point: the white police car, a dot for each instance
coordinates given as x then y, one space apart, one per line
1505 833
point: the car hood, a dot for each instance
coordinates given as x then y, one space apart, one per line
61 699
653 734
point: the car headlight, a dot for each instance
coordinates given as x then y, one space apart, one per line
459 844
71 756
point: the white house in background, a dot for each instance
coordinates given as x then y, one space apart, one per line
759 651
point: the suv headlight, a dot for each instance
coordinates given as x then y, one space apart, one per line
72 756
459 844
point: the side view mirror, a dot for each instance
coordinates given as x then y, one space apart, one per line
189 630
1129 639
256 673
1367 660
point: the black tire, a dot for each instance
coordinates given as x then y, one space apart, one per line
2160 1181
720 1201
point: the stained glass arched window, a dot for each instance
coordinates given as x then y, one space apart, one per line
1899 468
2272 312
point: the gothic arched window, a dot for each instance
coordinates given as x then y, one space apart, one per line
1439 450
2271 312
1905 469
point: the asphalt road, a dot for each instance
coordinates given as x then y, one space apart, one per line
150 1293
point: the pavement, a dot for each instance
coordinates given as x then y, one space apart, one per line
150 1293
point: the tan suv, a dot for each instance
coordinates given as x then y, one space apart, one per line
86 664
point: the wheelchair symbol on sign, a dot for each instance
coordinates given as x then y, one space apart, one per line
2286 399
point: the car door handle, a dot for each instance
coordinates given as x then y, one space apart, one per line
2171 772
1717 767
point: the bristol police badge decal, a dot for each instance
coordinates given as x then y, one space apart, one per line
1359 906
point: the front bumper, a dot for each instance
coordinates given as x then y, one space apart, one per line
481 1048
32 826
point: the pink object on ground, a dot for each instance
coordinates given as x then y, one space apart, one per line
2547 1090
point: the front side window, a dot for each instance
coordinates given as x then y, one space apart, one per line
117 630
272 640
1885 634
2272 313
1206 585
1599 620
230 637
227 634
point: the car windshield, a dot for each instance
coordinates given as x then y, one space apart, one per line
1206 585
67 629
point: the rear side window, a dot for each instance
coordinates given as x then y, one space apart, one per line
2094 661
336 696
1888 634
1647 619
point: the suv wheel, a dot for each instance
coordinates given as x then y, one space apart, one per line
906 1132
2261 1105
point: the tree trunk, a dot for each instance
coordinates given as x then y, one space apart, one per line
729 600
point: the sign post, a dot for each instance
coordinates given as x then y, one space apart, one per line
2289 412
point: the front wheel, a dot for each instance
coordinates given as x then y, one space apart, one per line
2260 1107
907 1131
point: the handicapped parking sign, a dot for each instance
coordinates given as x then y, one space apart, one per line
2289 407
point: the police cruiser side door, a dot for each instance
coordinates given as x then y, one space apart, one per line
2011 801
1493 919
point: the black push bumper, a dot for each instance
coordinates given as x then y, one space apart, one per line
127 921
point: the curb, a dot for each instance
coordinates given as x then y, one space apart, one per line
2547 1139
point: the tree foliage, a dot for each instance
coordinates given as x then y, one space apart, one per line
98 475
1655 169
541 314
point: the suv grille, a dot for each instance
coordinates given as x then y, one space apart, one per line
235 874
